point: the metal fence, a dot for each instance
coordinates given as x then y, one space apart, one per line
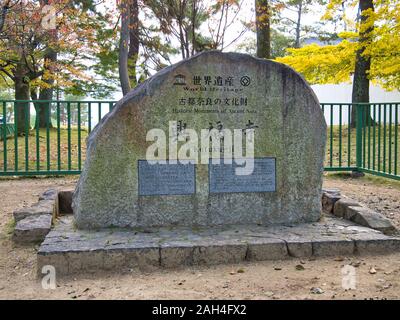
370 145
53 142
49 144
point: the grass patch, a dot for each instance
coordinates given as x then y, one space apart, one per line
382 181
45 151
381 147
9 228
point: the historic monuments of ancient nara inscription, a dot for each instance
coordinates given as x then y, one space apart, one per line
130 180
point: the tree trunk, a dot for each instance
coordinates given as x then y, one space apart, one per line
46 93
124 48
182 40
22 92
362 66
193 27
3 14
263 29
298 24
133 53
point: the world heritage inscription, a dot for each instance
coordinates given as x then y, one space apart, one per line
215 92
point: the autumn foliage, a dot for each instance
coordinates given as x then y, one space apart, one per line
335 63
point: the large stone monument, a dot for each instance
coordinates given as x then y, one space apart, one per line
217 92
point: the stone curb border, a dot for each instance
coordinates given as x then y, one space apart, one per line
86 257
349 209
33 223
147 259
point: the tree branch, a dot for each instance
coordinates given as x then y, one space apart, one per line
7 73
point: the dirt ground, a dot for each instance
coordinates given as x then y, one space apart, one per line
377 277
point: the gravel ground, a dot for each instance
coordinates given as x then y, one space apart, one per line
377 277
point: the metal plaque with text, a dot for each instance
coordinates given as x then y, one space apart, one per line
166 179
224 178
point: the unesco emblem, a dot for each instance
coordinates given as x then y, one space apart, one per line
245 81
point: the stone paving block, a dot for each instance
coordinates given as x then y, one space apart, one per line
50 194
89 261
172 257
332 247
299 248
147 259
331 190
39 208
267 249
377 246
329 198
74 261
217 254
115 259
32 228
371 219
58 260
340 207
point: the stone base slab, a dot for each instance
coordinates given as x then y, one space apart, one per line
78 251
32 229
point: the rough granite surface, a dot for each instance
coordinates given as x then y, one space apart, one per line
40 208
290 127
32 228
